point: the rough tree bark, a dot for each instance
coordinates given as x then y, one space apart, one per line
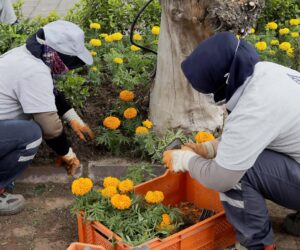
185 23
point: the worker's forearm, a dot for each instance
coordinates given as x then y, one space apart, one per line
61 103
52 130
213 176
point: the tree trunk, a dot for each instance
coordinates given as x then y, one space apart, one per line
185 23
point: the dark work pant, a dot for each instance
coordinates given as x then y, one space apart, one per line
274 176
19 141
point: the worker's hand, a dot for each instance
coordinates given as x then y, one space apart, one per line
70 162
81 129
178 160
207 149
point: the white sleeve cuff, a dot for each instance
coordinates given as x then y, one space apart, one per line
72 115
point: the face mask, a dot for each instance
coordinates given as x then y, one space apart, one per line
52 59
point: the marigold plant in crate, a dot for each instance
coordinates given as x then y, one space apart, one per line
149 217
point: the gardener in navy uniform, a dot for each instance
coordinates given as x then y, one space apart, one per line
258 155
30 106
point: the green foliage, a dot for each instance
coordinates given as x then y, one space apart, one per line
279 11
41 21
74 87
114 14
274 53
17 5
113 140
154 146
140 173
14 35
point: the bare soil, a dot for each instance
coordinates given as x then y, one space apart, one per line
46 223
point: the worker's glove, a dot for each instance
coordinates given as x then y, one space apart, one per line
70 162
207 149
79 127
178 160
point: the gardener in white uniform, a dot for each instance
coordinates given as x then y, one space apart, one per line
30 106
7 13
258 155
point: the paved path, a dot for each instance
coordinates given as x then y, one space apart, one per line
32 8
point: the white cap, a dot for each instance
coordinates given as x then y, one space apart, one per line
66 38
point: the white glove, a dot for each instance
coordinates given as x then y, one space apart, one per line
178 160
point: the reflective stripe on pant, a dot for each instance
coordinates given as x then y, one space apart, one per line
274 176
19 142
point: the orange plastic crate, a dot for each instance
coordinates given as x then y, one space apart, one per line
214 233
82 246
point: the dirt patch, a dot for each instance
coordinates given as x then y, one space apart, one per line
46 223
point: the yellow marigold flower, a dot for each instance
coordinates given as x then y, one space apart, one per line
295 22
93 53
155 30
134 48
117 36
285 46
166 219
272 26
261 46
109 191
130 113
274 42
140 130
95 42
295 34
147 123
272 52
95 26
154 197
121 201
126 96
108 39
284 31
137 37
126 186
110 181
103 35
252 30
118 60
290 52
203 136
94 69
81 186
112 122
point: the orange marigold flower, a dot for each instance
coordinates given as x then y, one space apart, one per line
203 136
110 181
147 123
130 113
126 96
82 186
112 122
154 197
140 130
121 201
126 186
166 219
109 191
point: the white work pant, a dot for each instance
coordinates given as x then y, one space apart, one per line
7 13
